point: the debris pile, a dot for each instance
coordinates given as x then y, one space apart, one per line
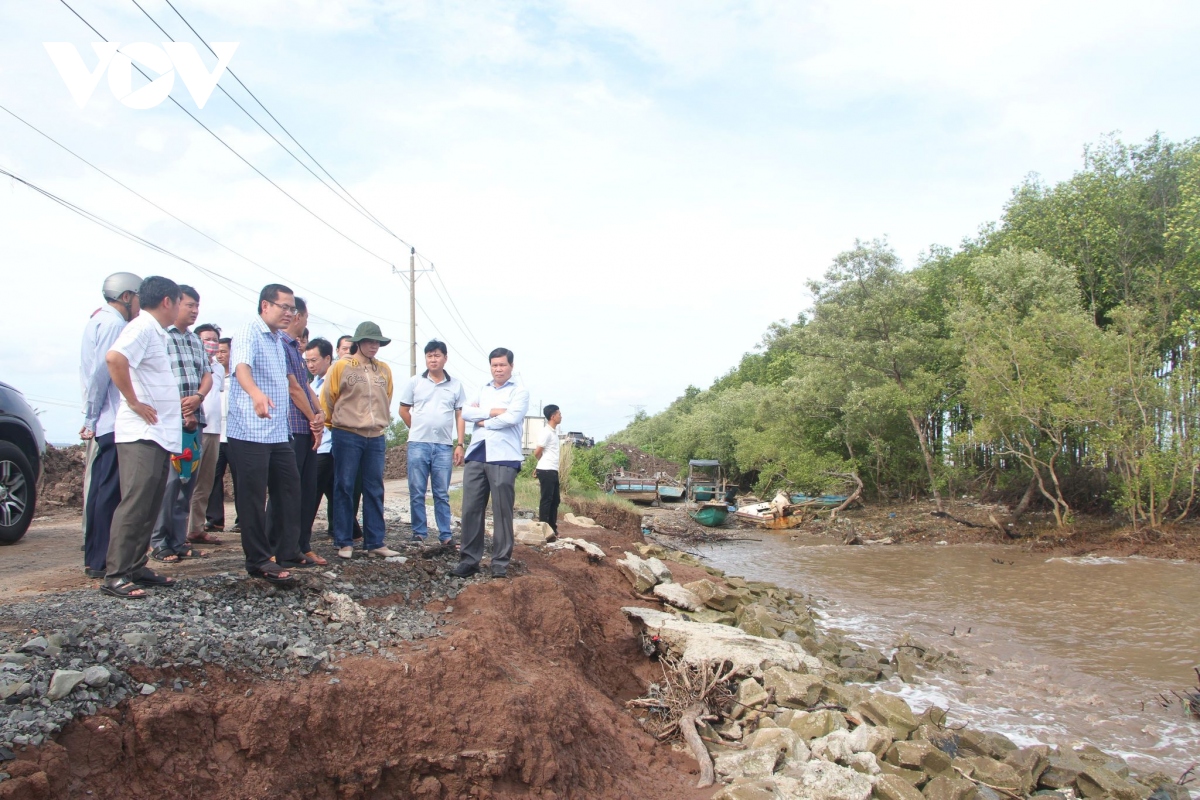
62 478
776 708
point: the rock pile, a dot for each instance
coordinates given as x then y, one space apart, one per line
75 649
799 723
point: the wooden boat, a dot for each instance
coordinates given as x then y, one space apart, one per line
710 515
771 516
670 494
632 487
825 500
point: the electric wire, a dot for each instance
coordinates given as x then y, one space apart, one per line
473 340
188 225
240 157
362 209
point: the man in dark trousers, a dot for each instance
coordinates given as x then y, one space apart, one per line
102 481
546 453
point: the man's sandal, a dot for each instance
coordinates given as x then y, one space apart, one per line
148 577
127 590
273 573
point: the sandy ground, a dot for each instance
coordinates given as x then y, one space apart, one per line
48 558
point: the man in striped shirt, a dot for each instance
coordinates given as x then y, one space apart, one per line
259 438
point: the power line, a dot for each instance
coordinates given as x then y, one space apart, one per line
357 208
188 225
362 209
242 158
357 205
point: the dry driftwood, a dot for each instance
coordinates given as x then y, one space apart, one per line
687 726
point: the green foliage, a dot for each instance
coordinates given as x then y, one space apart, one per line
1061 340
397 433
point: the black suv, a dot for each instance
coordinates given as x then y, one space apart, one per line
22 443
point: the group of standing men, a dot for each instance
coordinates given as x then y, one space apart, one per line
168 407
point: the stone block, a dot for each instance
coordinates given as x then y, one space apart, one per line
1061 772
750 693
833 747
531 533
913 777
864 763
822 780
815 724
661 573
889 710
944 787
784 739
793 689
995 773
1097 781
892 787
919 755
714 595
752 763
1030 763
638 572
62 683
874 739
763 789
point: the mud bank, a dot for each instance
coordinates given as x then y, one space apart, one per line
521 695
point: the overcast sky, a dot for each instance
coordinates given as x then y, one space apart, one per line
624 193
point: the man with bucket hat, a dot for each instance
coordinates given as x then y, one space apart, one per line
356 398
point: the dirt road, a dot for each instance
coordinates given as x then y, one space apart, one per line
48 558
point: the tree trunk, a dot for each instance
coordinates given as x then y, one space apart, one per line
924 440
1026 499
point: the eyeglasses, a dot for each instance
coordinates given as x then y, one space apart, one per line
313 360
286 309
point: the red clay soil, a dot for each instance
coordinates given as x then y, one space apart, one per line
524 697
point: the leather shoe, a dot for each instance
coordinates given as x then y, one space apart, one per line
499 573
464 570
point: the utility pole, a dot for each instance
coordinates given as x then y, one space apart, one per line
412 310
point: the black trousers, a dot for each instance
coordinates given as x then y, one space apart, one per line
548 507
104 495
306 466
259 469
215 513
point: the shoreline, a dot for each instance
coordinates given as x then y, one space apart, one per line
552 662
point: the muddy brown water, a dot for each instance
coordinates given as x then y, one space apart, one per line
1060 650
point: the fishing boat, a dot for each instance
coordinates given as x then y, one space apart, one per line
705 491
632 487
775 516
711 515
669 493
824 500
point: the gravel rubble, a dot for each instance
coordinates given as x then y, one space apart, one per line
70 653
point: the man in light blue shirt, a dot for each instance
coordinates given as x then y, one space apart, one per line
431 406
102 478
259 439
497 417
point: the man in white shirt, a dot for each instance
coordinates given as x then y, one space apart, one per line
215 514
497 418
431 406
148 431
546 453
102 479
210 440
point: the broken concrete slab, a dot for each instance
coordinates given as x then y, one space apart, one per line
675 595
706 643
638 572
714 595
